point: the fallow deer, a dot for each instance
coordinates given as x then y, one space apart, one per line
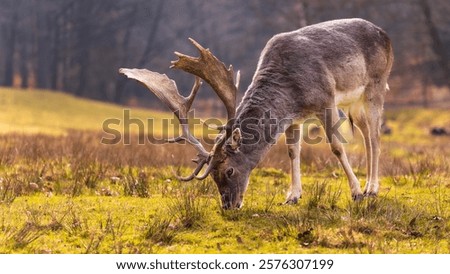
311 71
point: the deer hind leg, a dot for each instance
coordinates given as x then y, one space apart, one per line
330 120
371 112
374 117
293 139
359 117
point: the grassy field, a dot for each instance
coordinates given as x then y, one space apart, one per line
62 191
50 112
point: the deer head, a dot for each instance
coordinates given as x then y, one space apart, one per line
224 161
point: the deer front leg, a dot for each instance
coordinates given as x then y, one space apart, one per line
293 138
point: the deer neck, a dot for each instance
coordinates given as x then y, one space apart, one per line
261 121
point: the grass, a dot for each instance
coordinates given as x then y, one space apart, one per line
50 112
63 192
194 223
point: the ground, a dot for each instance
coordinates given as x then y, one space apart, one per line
62 191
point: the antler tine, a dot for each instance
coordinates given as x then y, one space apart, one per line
194 174
213 71
216 156
197 45
166 90
212 126
237 80
190 99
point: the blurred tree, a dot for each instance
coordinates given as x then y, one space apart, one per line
436 43
9 30
78 45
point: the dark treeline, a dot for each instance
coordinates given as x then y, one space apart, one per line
78 45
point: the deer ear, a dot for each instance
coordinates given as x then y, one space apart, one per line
229 172
236 139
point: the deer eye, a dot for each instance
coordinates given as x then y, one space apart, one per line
229 172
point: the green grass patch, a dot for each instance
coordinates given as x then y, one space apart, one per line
62 191
404 219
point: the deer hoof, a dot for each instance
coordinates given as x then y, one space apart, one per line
291 201
358 197
370 194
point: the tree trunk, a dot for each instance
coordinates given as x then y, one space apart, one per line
42 53
437 45
9 52
24 65
83 35
55 56
153 31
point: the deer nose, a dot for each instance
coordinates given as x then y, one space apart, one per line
238 205
229 203
226 206
226 201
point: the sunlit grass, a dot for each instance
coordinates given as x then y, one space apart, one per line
62 191
72 195
50 112
413 125
404 219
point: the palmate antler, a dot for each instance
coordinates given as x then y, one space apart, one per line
221 79
214 72
166 90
